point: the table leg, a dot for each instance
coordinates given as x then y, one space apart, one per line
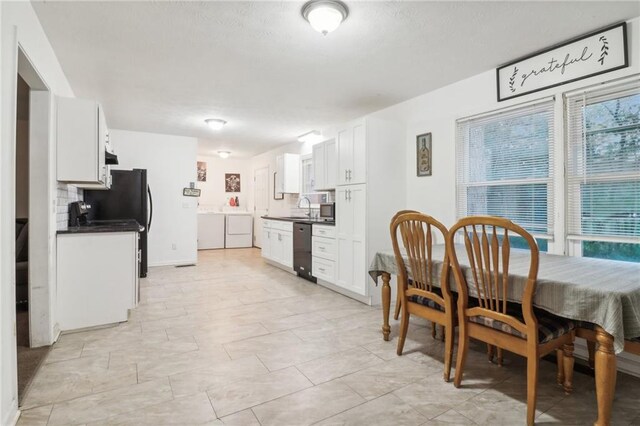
386 304
605 371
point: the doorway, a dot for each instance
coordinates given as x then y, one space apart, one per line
261 202
34 223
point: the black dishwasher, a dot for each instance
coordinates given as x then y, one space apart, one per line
302 250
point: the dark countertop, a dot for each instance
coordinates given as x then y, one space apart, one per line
301 220
97 226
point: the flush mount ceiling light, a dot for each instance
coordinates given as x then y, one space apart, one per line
224 154
215 123
312 137
325 15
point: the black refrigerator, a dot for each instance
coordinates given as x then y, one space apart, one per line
128 198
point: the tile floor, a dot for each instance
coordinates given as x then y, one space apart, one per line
234 341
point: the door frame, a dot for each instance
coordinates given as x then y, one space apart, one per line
257 220
41 215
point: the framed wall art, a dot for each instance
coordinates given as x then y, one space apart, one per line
598 52
202 171
232 182
423 154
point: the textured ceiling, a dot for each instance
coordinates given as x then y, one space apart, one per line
166 66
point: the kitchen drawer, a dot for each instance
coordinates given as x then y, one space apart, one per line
282 226
324 231
267 224
324 269
324 247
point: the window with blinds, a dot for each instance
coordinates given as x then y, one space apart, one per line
603 172
505 163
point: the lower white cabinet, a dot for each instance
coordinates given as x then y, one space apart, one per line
277 244
97 278
323 253
351 273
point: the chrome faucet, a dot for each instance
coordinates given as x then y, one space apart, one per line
309 202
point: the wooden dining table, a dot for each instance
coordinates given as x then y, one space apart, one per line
602 296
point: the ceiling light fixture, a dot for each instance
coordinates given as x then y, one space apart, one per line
224 154
215 123
325 15
312 137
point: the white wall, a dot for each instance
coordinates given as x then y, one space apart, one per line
19 24
213 195
437 111
171 166
268 159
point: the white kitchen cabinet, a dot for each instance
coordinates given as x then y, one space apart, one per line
352 155
366 202
277 243
82 138
97 278
351 203
324 165
323 253
287 180
266 241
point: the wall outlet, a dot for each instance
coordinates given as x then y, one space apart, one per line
174 246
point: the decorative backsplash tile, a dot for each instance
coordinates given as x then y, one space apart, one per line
66 194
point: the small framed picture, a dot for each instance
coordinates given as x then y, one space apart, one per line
202 171
423 154
232 182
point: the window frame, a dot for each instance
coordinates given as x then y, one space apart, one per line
463 183
600 93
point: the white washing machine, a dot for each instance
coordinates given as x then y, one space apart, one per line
239 230
210 230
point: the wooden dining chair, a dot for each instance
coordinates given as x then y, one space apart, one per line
396 314
429 295
494 318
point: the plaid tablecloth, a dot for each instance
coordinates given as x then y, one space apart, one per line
598 291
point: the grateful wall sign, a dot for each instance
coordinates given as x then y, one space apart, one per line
595 53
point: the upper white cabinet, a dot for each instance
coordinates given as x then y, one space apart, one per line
287 174
352 154
82 140
324 165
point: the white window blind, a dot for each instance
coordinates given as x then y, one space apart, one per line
603 165
504 166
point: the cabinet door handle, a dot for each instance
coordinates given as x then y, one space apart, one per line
321 269
345 175
279 237
349 174
345 195
349 195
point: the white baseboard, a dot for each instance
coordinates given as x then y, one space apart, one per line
174 263
13 415
280 266
355 296
56 332
627 363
